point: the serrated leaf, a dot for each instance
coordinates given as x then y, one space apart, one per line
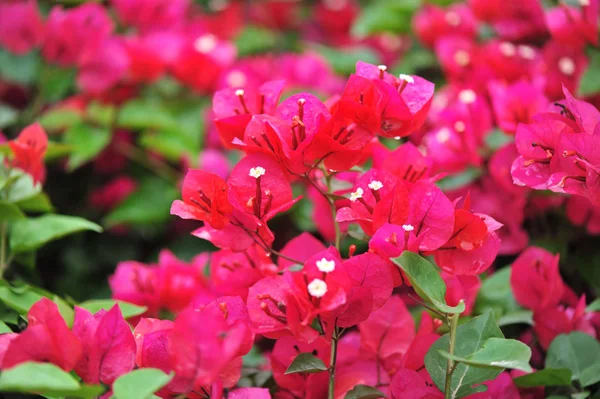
32 233
545 378
127 309
140 384
469 339
306 363
497 352
364 392
45 378
577 352
86 141
426 281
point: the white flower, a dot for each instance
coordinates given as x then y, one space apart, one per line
205 43
408 227
376 185
239 92
467 96
462 58
508 49
326 266
526 52
566 65
407 78
356 195
257 172
382 68
317 288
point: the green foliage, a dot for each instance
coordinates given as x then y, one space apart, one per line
30 234
255 40
459 180
344 61
8 115
590 81
545 378
471 343
140 384
20 69
577 352
55 83
496 294
86 141
380 16
364 392
426 281
306 363
127 309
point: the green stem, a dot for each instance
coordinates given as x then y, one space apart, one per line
3 263
453 323
332 360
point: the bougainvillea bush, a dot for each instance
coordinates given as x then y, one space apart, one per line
300 200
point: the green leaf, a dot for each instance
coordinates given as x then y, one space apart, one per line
87 141
20 186
577 352
65 310
4 328
10 212
545 378
415 60
344 61
127 309
385 16
306 363
498 352
496 294
594 306
20 300
140 384
426 281
55 82
517 317
171 146
45 378
255 40
30 234
57 150
364 392
470 338
590 81
8 116
20 69
142 114
497 139
149 204
38 203
457 181
100 114
58 119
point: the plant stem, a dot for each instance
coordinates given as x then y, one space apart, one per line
453 323
3 263
332 360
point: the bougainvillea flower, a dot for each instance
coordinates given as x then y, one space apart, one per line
29 150
146 64
406 162
389 331
205 197
535 279
285 351
102 67
408 384
512 21
433 22
574 26
564 66
461 288
203 344
234 107
73 32
249 393
21 26
516 103
581 212
108 345
151 15
414 357
500 387
301 247
136 283
113 193
46 339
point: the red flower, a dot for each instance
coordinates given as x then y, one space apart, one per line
21 26
46 339
29 150
108 345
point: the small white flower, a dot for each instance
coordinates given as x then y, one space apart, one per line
356 195
459 126
453 18
467 96
526 52
443 135
257 172
317 288
566 66
376 185
508 49
408 227
398 138
239 92
205 43
462 58
382 68
407 78
326 266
